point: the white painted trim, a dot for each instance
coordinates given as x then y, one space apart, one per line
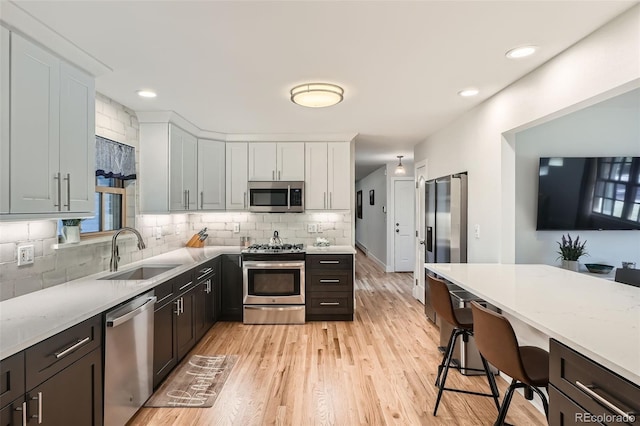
362 248
378 261
292 137
418 290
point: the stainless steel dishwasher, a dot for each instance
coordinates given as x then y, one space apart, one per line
128 359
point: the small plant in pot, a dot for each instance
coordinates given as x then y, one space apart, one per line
570 251
71 230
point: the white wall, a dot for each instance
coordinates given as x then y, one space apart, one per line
371 230
604 62
610 128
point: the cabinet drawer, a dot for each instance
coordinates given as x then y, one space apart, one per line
330 303
330 281
163 293
565 412
46 358
183 282
205 270
329 261
591 385
11 378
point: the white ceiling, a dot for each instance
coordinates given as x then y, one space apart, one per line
228 66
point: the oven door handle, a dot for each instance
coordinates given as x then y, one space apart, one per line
272 265
275 308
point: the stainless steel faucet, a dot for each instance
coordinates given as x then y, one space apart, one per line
115 257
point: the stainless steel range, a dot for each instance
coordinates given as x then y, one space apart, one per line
273 283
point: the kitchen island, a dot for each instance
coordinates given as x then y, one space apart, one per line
596 317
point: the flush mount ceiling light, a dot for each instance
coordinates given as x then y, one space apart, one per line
146 93
468 92
317 95
521 52
400 168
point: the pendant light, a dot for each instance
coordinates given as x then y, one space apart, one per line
400 168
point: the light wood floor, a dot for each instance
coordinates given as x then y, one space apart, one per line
377 370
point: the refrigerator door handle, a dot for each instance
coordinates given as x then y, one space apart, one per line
429 238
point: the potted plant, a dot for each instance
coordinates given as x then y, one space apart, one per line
570 251
71 230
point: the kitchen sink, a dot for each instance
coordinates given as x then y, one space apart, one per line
140 273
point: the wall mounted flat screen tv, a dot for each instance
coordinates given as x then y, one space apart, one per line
588 193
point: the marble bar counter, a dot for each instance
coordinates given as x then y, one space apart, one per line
596 317
33 317
330 250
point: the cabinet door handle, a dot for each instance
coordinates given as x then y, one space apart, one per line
333 262
244 200
68 179
57 177
177 303
329 303
72 348
184 199
278 174
39 415
327 281
588 390
324 200
202 199
23 408
330 200
288 196
273 175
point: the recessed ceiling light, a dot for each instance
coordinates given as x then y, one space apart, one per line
521 52
147 93
317 95
468 92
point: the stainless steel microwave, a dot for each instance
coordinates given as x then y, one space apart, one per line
276 197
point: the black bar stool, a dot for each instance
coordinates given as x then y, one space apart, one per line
527 365
462 321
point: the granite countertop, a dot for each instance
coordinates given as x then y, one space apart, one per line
596 317
331 250
34 317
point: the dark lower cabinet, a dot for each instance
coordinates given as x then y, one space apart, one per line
185 321
71 397
329 287
582 391
165 347
11 415
231 288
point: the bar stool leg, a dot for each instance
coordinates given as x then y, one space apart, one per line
502 415
492 382
444 357
447 361
545 404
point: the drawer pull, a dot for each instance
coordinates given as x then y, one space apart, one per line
72 348
329 303
204 272
588 389
186 285
329 281
23 408
335 262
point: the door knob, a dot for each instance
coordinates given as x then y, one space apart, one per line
397 230
421 242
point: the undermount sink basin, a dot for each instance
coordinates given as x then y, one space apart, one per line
140 273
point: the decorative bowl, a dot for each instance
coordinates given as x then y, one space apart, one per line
597 268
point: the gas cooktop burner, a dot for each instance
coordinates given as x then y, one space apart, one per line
266 248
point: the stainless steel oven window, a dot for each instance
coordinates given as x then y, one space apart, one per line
274 282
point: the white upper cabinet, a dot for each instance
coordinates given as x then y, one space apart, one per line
183 187
211 175
52 143
327 176
236 175
270 161
4 120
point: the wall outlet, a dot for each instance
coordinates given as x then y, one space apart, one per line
158 232
319 229
312 228
25 255
236 228
476 231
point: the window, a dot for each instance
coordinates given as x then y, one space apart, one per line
617 191
110 207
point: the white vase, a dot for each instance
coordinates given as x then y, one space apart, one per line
71 234
572 265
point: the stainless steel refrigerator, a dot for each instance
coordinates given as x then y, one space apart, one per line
445 224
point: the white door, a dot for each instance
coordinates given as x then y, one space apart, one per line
36 184
290 161
236 175
211 166
262 161
404 236
77 139
420 176
315 176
